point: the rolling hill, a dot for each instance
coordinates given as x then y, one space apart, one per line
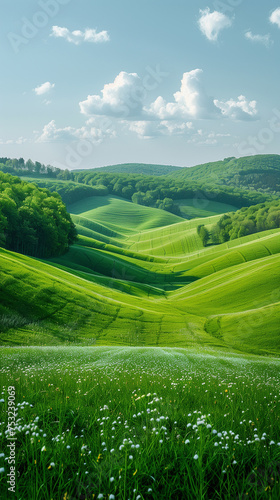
259 173
140 276
136 168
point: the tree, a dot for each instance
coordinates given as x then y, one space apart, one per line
33 221
204 234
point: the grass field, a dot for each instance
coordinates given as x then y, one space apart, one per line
140 423
140 276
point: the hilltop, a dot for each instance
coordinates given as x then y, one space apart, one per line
260 173
136 168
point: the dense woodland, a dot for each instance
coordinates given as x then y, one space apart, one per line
33 221
242 223
150 190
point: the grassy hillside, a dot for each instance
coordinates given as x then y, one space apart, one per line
140 276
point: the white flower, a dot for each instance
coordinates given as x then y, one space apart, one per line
150 490
68 446
111 497
187 441
52 464
100 496
196 456
2 455
271 442
44 448
130 457
234 462
2 470
112 479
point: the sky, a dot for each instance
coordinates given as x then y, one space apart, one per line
88 83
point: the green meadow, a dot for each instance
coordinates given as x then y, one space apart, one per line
136 423
141 276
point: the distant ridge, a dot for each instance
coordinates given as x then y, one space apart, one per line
259 173
136 168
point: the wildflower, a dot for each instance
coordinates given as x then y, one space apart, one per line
100 496
111 497
187 441
112 479
196 456
2 470
149 490
44 448
130 457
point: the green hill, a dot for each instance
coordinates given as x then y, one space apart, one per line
136 168
141 276
259 173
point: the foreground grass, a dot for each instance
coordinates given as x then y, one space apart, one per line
141 423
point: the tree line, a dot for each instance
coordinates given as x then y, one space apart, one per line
153 191
33 221
246 221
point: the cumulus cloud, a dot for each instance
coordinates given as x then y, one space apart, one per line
44 88
94 131
149 129
264 39
242 109
275 17
191 101
78 36
211 23
121 98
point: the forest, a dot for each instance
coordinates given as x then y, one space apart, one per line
149 190
33 221
248 220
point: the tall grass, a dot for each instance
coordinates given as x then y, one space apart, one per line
141 423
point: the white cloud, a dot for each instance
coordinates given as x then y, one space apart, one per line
149 129
78 36
275 17
20 140
95 131
211 23
191 101
120 98
242 109
44 88
264 39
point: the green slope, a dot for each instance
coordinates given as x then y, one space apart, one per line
141 276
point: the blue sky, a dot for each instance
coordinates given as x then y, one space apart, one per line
97 82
